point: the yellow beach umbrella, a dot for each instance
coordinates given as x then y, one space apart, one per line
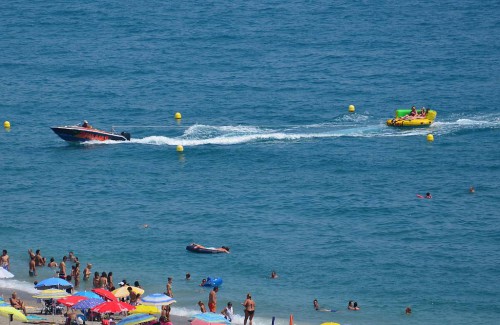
330 323
123 291
51 294
17 314
144 309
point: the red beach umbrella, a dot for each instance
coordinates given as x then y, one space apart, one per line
112 307
70 301
107 295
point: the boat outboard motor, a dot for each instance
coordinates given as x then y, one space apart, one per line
126 135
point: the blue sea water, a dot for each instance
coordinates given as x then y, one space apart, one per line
273 164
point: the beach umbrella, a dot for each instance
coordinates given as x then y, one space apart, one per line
112 307
4 274
88 294
106 294
51 294
136 319
55 283
157 299
16 314
330 323
144 309
123 292
209 319
88 303
70 300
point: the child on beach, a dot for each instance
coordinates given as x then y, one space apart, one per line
202 306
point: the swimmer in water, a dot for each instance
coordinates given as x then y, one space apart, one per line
428 195
146 225
471 189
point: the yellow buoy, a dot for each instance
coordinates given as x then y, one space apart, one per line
178 116
6 124
351 108
430 137
180 148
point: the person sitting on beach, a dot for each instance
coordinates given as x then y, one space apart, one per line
202 306
17 303
228 312
52 263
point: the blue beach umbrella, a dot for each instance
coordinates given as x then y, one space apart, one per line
53 283
209 318
136 319
88 294
157 299
89 303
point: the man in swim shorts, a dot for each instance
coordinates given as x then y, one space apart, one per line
212 300
4 260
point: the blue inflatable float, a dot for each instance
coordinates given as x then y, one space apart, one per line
213 282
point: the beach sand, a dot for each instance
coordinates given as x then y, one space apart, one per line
34 308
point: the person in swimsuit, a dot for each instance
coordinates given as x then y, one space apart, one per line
62 268
202 306
17 303
249 305
39 259
212 300
86 272
228 312
169 288
5 260
76 274
408 311
52 263
428 195
103 281
316 304
32 266
274 275
95 281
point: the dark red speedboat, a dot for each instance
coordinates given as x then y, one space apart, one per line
77 133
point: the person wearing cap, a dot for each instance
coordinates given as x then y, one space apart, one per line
86 124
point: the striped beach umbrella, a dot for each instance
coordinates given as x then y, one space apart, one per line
157 299
136 319
51 294
209 319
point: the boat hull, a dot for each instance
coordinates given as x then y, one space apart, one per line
81 134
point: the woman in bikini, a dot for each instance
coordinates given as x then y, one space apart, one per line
249 305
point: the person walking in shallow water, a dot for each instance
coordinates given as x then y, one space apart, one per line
249 305
212 300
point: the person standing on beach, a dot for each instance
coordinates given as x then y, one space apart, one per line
169 288
62 268
5 260
32 266
212 300
249 305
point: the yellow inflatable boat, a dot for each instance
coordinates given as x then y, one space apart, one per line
402 118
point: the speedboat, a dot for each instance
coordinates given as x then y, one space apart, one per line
402 118
77 133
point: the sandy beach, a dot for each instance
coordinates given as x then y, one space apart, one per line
34 308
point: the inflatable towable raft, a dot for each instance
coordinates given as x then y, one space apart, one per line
399 120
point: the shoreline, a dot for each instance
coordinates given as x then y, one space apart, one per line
33 307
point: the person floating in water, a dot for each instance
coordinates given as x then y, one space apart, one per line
471 189
318 308
274 275
408 311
